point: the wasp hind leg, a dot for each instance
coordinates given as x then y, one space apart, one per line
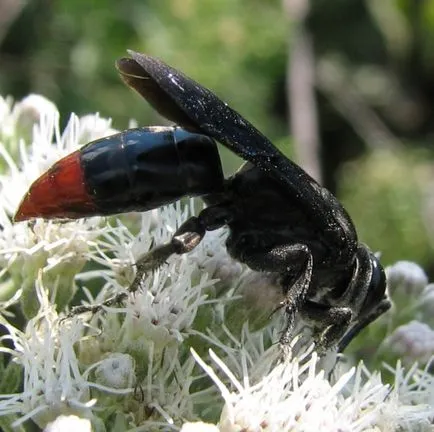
185 239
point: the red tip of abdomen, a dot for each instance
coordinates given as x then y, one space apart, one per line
59 193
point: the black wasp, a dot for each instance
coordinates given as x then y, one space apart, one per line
280 220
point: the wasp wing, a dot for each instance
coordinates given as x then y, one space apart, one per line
190 105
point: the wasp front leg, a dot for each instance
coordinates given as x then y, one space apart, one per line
364 300
295 265
329 323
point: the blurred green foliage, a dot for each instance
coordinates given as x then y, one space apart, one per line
385 190
71 60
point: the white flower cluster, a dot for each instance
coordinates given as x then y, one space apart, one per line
294 396
129 366
59 250
412 319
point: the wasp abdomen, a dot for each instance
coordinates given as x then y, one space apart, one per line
135 170
141 169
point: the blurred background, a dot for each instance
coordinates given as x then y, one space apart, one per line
344 87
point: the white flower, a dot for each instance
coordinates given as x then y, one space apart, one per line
413 393
199 427
59 249
47 146
162 312
295 396
92 127
426 304
412 342
5 110
53 384
167 390
262 290
131 361
69 424
31 110
126 248
117 371
212 257
406 278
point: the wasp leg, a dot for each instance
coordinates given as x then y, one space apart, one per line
371 316
148 262
295 264
93 309
296 292
372 297
185 239
336 322
329 323
361 303
366 297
